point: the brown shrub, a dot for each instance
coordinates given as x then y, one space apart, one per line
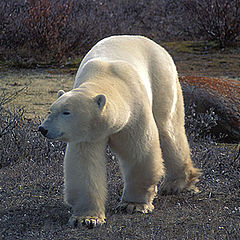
46 21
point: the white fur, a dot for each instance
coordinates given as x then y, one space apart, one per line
126 94
108 50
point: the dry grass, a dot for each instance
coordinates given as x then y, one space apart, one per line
201 58
41 91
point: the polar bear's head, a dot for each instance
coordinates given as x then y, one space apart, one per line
75 117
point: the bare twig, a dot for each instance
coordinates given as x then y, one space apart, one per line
6 98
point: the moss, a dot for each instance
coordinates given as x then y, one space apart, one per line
74 62
191 46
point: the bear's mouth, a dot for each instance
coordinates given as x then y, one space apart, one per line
54 137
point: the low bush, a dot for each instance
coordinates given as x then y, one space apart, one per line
217 20
19 138
45 30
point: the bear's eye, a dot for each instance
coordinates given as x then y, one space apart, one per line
66 113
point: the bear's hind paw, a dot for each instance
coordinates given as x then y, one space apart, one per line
175 187
88 221
131 208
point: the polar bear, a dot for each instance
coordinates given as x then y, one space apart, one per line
126 94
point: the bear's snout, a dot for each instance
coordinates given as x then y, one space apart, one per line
43 131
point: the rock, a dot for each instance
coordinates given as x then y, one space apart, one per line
221 95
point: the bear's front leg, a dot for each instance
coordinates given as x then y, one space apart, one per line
141 165
85 183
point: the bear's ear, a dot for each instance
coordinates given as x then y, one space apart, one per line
60 93
100 100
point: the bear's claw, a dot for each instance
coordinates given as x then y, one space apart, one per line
131 208
89 222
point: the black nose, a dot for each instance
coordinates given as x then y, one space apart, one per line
43 130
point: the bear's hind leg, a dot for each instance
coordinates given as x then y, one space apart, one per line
180 172
169 117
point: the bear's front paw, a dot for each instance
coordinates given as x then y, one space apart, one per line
135 207
87 221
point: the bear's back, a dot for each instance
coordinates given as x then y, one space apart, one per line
138 51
